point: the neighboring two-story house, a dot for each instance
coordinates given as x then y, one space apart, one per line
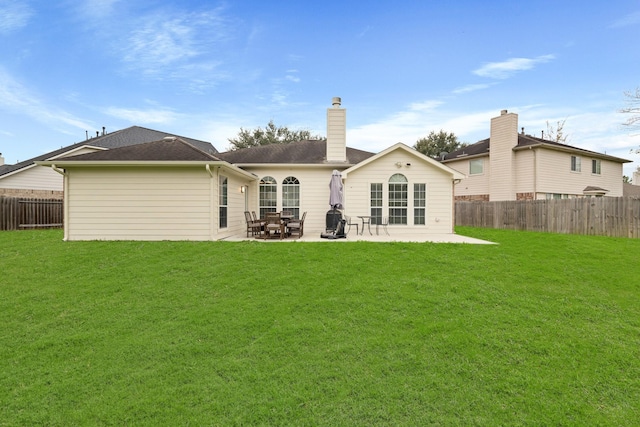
510 165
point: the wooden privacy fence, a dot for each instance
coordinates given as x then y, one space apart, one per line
601 216
19 213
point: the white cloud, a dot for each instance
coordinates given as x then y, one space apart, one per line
15 15
505 69
97 9
150 116
15 97
471 88
628 20
164 44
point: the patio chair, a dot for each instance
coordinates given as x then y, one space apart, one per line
350 223
275 224
253 227
296 226
382 222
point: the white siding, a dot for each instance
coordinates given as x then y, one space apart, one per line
524 164
140 204
504 137
314 192
472 185
33 178
236 223
336 135
439 186
555 175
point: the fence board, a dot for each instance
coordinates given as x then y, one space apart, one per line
603 216
20 213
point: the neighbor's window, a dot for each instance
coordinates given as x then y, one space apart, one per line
575 164
476 166
419 204
291 195
595 166
376 203
223 190
398 199
268 195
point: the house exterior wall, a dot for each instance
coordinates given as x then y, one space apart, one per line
439 192
525 174
33 178
37 181
314 192
473 187
556 177
140 204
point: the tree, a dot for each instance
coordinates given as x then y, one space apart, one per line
632 108
437 143
271 134
556 133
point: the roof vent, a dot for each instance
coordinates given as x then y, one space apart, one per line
336 101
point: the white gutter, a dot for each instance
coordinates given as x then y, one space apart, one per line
57 169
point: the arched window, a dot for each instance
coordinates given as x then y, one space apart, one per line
398 199
268 196
291 195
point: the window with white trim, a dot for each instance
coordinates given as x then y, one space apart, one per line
595 166
419 204
476 166
223 188
575 164
398 199
291 196
376 202
268 201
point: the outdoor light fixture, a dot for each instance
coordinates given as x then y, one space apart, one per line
242 189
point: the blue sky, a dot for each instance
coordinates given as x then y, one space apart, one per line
204 69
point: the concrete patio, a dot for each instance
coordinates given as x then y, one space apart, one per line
314 236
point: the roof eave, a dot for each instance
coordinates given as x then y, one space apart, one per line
465 157
572 150
144 163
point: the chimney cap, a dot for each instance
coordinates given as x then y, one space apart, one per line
336 101
503 112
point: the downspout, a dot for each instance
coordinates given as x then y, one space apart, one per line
212 198
60 171
535 174
65 201
453 204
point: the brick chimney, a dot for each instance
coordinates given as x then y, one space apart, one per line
336 132
503 138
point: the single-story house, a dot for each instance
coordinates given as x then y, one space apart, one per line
171 190
26 179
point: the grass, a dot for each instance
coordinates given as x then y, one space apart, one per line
541 329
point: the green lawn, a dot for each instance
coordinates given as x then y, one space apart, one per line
540 329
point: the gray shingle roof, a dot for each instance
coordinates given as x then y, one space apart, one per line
482 147
167 149
121 138
301 152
